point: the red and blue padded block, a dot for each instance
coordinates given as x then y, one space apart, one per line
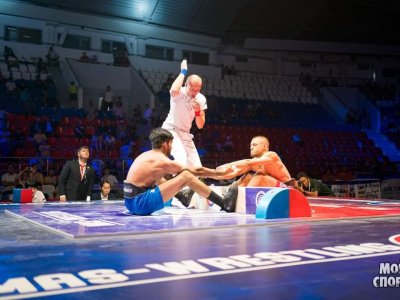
279 203
22 195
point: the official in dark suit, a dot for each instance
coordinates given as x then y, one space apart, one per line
77 178
105 192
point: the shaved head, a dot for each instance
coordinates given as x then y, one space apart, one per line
195 80
193 85
262 140
258 146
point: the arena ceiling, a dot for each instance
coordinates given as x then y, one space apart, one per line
356 21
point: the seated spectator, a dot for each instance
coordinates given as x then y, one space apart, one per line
105 192
50 178
80 130
39 137
49 130
38 124
312 187
84 57
37 175
97 142
50 183
109 141
122 133
126 149
44 150
147 113
98 164
37 195
22 181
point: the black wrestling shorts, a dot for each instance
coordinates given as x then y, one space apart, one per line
131 190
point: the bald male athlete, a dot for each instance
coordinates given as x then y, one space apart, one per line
265 168
146 190
186 104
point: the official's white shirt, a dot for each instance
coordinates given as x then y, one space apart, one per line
181 113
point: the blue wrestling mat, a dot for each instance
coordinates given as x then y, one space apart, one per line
232 257
112 218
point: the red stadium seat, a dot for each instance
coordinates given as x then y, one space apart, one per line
52 141
90 131
68 131
69 153
19 152
57 153
84 141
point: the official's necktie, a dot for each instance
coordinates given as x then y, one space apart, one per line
82 171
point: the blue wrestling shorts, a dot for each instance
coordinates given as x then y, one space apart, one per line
142 201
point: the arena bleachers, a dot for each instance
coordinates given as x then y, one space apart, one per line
240 105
